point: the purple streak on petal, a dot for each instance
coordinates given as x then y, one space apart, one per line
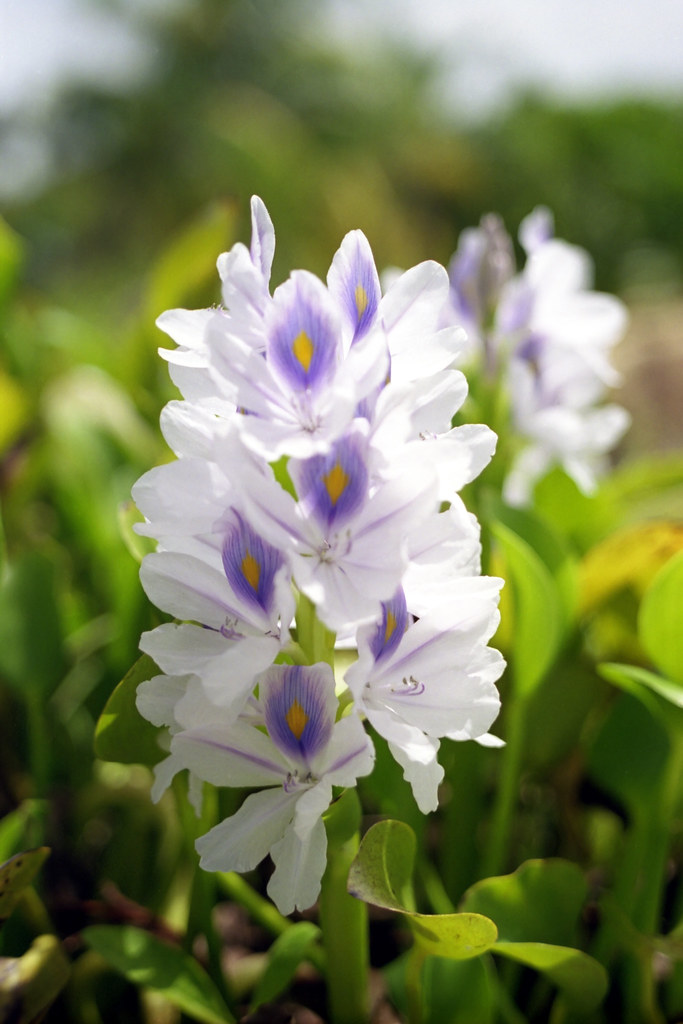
392 626
296 711
333 487
303 336
262 762
347 757
250 564
359 281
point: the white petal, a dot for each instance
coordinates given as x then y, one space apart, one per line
299 866
230 756
242 841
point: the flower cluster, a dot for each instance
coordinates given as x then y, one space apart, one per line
314 494
545 337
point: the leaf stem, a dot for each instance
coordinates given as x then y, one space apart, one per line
344 923
496 855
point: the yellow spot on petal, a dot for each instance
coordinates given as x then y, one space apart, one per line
335 482
251 570
296 719
303 349
391 626
361 297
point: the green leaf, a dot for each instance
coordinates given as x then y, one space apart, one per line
629 754
453 936
541 901
284 956
122 734
16 874
582 980
537 610
537 909
381 874
15 825
32 982
147 961
659 620
635 680
382 870
31 650
189 262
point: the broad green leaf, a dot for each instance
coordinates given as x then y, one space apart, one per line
122 734
189 262
147 961
537 610
633 679
30 983
381 874
629 754
541 901
284 956
31 651
382 871
659 620
582 980
16 874
453 936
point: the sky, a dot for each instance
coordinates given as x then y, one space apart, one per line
572 49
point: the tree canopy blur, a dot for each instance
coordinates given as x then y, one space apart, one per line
248 99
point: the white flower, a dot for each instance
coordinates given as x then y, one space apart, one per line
297 761
418 681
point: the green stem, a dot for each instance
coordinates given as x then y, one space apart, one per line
497 849
313 637
459 854
657 841
414 965
203 892
344 922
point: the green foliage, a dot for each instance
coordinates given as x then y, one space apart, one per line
381 874
122 734
31 637
146 960
284 956
32 982
659 620
15 875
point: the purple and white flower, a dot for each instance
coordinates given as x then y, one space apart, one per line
295 762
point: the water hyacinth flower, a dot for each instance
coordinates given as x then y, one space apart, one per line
546 337
315 492
294 755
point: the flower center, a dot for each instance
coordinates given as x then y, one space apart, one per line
303 350
296 719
